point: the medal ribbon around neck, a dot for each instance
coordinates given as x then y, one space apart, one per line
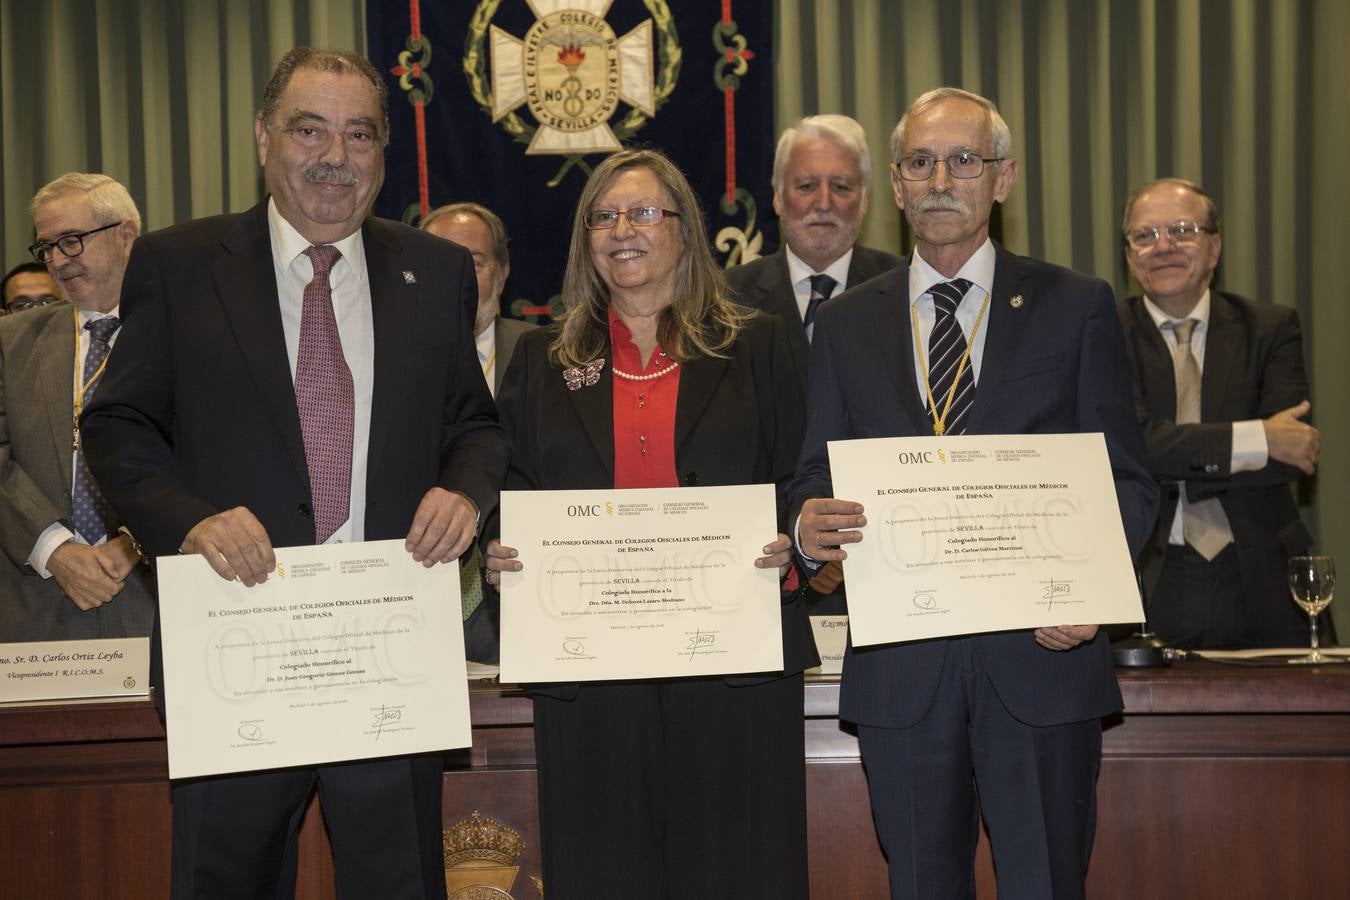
940 421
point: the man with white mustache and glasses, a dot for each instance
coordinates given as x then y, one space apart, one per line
1221 390
966 338
822 183
301 373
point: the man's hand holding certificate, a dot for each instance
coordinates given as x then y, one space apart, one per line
623 584
978 533
345 651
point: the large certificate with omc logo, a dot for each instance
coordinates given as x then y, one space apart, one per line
982 533
347 651
624 584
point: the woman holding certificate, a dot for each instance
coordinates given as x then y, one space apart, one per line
651 378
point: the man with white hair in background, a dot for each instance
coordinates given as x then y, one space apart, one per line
66 572
822 182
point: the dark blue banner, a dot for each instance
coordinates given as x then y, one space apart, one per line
509 103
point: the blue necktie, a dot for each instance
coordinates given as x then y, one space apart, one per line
822 286
88 508
946 347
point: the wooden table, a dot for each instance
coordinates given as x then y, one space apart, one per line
1218 781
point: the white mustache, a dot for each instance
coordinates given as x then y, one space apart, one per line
324 173
942 201
825 219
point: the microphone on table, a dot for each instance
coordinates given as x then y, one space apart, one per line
1143 648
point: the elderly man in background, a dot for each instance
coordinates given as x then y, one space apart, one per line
480 231
822 182
66 571
27 286
1221 391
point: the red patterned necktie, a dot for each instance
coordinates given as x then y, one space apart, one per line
327 399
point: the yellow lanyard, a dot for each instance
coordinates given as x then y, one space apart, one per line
82 387
940 421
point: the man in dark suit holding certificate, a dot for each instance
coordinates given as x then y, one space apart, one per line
1009 346
296 374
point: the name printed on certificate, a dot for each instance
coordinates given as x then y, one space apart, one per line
639 584
981 533
347 651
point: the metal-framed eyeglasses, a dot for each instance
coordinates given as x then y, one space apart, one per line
600 219
965 164
23 304
71 244
1178 233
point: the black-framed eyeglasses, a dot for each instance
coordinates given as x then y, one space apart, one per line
600 219
70 244
966 164
1181 232
26 303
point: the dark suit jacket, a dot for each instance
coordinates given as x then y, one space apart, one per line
507 336
37 389
1054 365
482 629
197 414
737 421
1253 369
765 284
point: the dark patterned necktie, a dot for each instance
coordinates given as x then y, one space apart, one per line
326 397
1203 522
946 347
89 511
822 286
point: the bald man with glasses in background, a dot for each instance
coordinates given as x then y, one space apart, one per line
66 571
1221 392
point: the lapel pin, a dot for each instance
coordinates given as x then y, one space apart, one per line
410 277
1016 302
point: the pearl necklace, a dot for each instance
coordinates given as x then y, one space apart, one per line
629 376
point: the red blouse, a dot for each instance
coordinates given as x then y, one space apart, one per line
644 414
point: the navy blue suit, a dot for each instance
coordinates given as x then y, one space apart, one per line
1054 364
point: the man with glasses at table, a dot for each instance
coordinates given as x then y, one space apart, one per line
66 572
1221 391
27 286
967 338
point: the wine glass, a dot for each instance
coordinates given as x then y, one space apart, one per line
1312 581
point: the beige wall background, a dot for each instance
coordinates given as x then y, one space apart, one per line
1249 97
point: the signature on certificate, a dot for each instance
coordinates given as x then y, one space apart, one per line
384 715
699 640
1055 589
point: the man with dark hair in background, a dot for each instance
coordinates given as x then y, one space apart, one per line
27 286
480 231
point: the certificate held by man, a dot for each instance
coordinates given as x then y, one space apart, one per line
982 533
621 584
348 651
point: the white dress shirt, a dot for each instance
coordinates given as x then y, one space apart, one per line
56 534
979 270
1250 450
356 329
487 355
800 274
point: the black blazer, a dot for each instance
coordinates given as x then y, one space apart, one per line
737 421
1253 369
196 412
765 284
1054 364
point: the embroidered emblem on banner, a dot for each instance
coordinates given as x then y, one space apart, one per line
572 72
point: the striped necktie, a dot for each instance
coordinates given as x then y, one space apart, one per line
946 347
